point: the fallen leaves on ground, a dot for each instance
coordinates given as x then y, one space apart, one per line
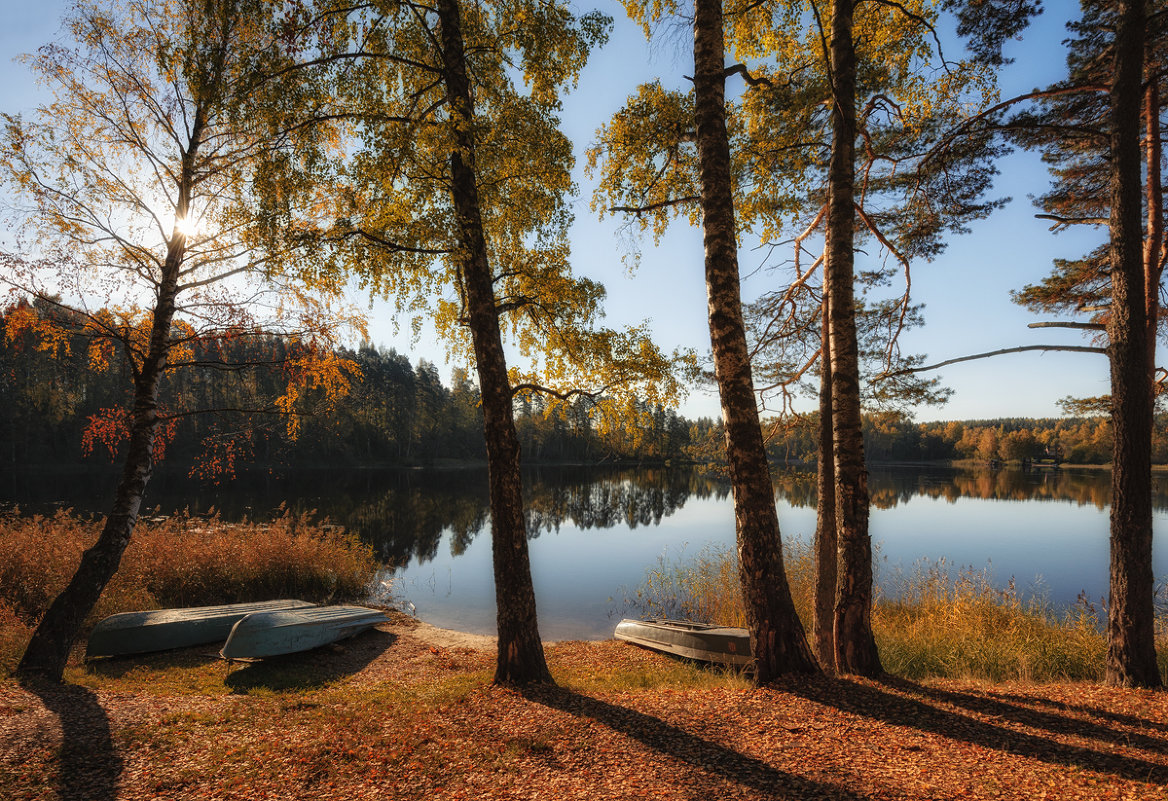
393 717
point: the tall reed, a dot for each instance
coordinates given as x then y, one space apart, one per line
932 621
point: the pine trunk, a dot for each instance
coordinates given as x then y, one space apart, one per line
1131 650
1154 209
855 648
777 637
520 657
826 549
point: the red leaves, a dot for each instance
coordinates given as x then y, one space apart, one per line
110 427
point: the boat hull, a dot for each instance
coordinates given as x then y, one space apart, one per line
291 631
144 632
699 641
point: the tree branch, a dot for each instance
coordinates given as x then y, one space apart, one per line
564 396
639 210
1003 351
1057 324
740 69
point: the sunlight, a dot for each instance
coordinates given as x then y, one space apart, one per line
186 226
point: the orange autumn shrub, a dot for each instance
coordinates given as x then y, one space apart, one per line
177 561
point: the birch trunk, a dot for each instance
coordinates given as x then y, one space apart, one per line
520 650
826 548
777 638
48 650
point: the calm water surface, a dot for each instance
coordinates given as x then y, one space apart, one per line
593 533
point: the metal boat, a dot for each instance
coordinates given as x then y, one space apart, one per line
162 629
290 631
703 642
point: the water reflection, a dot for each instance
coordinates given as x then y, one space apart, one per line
595 531
406 513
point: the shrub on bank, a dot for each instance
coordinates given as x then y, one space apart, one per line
931 622
174 562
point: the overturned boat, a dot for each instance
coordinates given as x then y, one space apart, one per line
703 642
291 631
163 629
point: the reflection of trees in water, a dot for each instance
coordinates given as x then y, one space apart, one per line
890 487
405 513
633 498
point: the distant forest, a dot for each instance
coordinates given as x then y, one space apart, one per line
400 413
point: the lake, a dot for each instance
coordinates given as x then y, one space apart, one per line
594 532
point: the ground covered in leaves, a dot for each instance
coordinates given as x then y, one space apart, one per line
393 716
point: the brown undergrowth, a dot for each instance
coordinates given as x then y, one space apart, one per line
176 561
390 716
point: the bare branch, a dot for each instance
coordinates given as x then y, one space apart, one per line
1002 352
1058 324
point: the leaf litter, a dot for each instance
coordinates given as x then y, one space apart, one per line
395 716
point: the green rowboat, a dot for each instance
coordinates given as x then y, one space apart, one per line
290 631
700 641
162 629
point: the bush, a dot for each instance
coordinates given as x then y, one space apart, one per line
180 561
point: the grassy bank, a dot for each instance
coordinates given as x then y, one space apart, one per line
934 621
177 561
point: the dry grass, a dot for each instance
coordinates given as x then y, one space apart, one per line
173 562
932 622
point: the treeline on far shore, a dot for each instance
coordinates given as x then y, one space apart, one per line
400 413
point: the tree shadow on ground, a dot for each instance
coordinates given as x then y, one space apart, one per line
1106 714
89 767
118 667
1038 718
911 705
313 669
702 754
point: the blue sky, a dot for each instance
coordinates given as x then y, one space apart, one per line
966 290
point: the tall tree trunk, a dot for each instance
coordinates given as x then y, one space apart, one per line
1131 650
520 658
1154 210
826 554
777 637
48 650
855 648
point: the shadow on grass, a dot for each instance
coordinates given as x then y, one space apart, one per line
702 754
1041 719
119 667
914 706
89 767
312 669
1062 706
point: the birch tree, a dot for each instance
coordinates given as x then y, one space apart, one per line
456 206
133 198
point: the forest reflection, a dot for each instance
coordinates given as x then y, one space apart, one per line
407 520
405 514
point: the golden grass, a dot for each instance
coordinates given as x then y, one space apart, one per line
932 622
173 562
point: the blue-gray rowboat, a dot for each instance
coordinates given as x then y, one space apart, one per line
293 630
701 641
163 629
